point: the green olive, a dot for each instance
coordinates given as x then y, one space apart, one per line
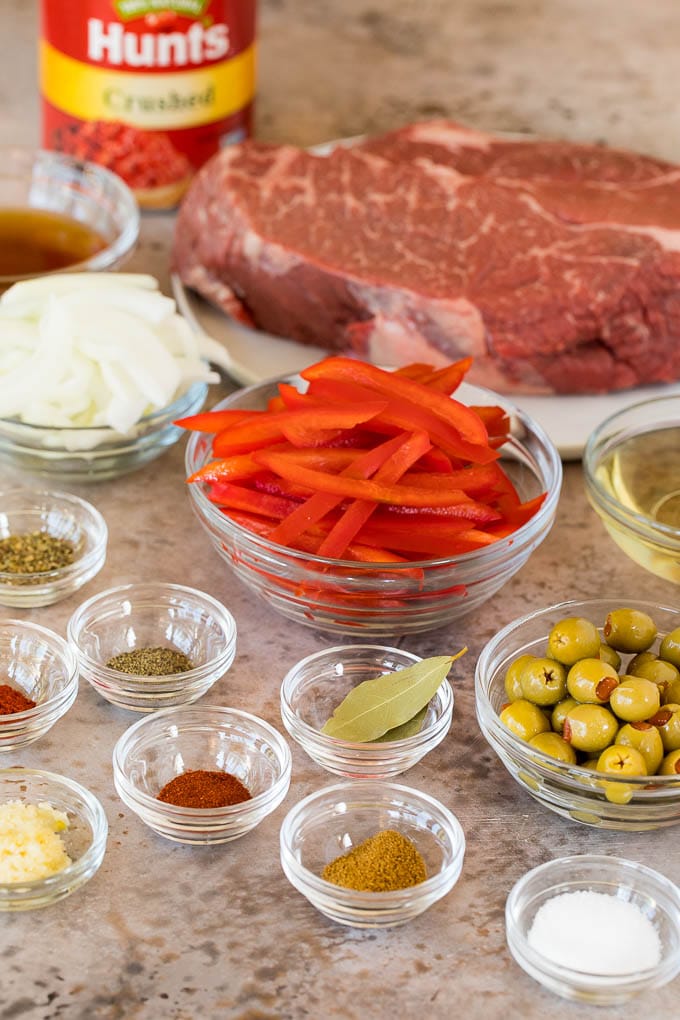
671 695
591 681
670 647
621 760
659 672
590 763
543 681
635 699
669 726
629 630
524 719
638 659
572 639
559 713
554 745
646 739
610 655
590 728
513 688
670 766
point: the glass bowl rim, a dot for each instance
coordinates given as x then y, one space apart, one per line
160 416
384 789
174 812
487 555
547 764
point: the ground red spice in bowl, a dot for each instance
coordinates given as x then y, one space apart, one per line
12 700
202 788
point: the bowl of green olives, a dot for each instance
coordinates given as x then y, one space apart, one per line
581 703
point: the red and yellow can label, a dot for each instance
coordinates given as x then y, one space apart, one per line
149 88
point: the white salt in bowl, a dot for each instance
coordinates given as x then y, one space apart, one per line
652 893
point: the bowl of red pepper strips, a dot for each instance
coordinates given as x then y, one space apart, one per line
370 502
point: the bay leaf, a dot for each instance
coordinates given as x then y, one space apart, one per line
375 706
407 729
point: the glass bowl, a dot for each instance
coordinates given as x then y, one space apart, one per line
372 599
582 795
84 839
41 666
61 515
96 197
161 746
152 615
331 821
316 685
631 465
95 454
656 896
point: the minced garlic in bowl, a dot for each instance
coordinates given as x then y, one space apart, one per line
30 845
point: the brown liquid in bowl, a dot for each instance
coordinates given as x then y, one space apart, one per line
35 241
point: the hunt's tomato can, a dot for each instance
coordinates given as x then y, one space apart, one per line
149 88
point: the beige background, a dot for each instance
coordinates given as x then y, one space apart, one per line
165 931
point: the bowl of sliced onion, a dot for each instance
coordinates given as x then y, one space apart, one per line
95 368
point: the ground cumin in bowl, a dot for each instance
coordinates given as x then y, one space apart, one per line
371 854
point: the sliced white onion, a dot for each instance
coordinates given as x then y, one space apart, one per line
95 349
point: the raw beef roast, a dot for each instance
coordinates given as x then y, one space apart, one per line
565 279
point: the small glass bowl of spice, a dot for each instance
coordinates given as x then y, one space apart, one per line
371 854
595 929
367 711
38 682
153 645
52 837
51 544
200 774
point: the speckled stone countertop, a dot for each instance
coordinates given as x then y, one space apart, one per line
167 931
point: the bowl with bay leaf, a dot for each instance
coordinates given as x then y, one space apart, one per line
368 711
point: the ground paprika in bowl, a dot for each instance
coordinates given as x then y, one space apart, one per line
150 755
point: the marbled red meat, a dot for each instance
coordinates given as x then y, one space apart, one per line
565 281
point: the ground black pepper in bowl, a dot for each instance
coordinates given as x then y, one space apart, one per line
151 662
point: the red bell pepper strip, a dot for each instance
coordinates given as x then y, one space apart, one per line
447 379
358 512
238 497
516 516
403 415
396 387
476 480
306 427
321 503
310 542
431 538
357 488
417 370
215 421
